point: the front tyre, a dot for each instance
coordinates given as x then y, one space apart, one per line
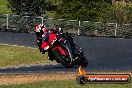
62 59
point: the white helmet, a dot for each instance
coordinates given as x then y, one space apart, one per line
39 27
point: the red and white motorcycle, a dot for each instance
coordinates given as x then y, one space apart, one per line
60 47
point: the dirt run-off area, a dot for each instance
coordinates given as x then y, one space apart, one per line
30 78
6 79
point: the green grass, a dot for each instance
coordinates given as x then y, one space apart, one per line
3 7
11 55
3 2
65 84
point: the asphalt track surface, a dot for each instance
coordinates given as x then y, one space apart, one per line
103 54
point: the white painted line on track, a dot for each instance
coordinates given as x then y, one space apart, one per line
5 44
16 46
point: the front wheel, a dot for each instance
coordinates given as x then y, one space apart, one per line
62 59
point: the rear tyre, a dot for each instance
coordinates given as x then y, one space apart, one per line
62 59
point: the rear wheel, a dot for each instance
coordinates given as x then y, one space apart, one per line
64 60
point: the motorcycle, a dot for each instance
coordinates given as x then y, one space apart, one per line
61 47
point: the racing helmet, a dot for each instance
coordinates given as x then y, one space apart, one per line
40 28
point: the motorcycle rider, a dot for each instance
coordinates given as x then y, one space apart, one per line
43 37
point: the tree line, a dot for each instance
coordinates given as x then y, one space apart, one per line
91 10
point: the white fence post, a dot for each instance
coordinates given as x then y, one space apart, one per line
7 21
79 28
116 29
